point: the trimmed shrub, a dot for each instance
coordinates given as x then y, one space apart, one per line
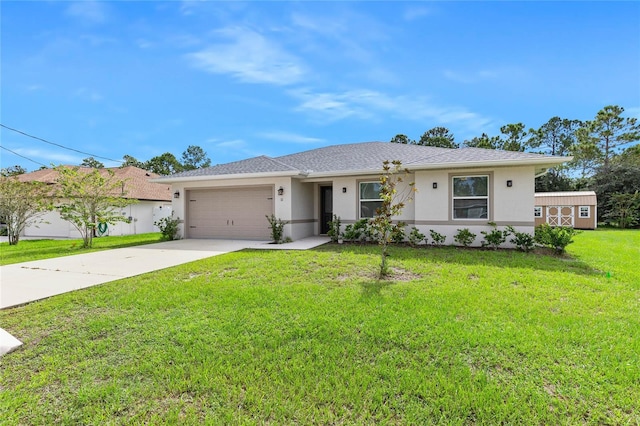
464 237
437 239
557 238
523 241
168 227
416 237
358 231
334 229
494 238
277 229
398 234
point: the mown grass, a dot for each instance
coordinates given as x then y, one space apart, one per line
457 337
28 250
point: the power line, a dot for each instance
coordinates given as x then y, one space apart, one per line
58 145
20 155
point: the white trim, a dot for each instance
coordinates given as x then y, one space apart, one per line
588 216
169 179
537 212
360 199
469 197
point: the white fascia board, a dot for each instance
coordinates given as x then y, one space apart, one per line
541 162
544 162
293 173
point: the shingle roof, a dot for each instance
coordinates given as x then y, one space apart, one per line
137 185
360 157
261 164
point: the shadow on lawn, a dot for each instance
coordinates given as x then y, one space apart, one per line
473 256
373 289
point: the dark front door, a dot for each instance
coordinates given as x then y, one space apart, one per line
326 208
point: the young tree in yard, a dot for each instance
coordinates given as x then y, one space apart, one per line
89 198
21 204
393 201
439 137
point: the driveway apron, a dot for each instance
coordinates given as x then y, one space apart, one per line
26 282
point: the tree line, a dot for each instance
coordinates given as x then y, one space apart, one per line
600 160
194 157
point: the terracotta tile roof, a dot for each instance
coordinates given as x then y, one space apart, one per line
136 180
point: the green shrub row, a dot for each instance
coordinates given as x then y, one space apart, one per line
556 238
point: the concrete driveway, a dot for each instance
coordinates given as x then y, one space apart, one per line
30 281
26 282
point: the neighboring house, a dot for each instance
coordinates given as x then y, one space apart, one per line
576 209
154 203
457 188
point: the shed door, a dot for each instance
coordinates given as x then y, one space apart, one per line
560 215
230 213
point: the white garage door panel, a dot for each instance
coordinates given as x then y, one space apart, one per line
230 213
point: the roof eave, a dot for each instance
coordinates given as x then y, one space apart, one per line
544 162
540 162
169 179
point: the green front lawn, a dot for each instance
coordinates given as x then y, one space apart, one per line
457 337
28 250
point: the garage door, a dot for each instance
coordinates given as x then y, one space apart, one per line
230 213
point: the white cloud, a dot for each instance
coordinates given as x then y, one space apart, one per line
413 13
290 137
482 75
49 157
370 104
89 12
330 106
88 94
235 144
143 43
249 57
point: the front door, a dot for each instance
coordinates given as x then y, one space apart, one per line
326 208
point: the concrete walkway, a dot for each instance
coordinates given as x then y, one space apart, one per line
26 282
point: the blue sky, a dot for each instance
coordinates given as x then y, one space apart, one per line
273 78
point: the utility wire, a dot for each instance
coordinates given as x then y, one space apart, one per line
19 155
58 145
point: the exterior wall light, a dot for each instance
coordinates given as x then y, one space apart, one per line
435 185
280 191
509 183
344 189
176 194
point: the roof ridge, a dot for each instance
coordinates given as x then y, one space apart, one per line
282 163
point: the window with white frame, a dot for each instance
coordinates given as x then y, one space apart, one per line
369 198
585 212
470 197
537 211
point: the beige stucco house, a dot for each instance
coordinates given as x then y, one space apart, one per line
153 203
457 188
